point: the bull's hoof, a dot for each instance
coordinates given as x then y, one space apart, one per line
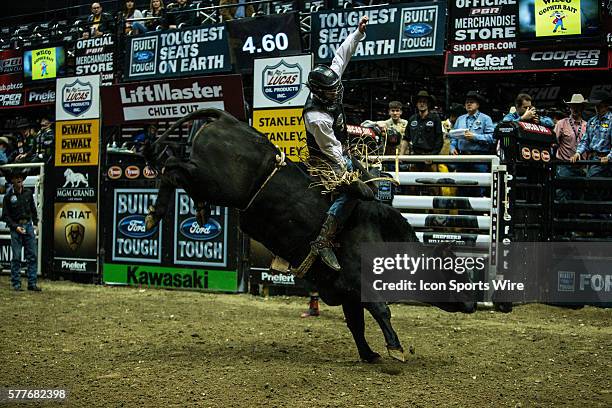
504 307
150 222
372 358
200 217
397 353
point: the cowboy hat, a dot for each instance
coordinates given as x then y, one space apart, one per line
13 174
475 95
601 96
577 99
5 140
424 94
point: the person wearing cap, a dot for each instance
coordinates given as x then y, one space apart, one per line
597 139
526 112
424 132
20 214
569 132
325 124
396 122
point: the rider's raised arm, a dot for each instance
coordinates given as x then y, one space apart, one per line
348 47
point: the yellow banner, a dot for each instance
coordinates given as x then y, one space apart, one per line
284 128
44 63
76 142
557 18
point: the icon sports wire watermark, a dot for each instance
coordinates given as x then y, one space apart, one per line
524 272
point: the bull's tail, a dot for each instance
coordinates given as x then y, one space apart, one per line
202 114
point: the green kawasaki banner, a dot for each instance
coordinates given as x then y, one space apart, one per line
165 277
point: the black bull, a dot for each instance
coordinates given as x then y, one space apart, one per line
230 161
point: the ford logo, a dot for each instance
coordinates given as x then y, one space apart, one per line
143 56
417 30
192 230
133 226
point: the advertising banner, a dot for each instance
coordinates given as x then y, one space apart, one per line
77 143
260 37
76 184
11 90
11 62
397 31
527 61
44 63
171 277
478 27
279 82
284 128
562 18
40 96
75 237
549 19
131 241
96 56
171 98
77 98
199 245
178 53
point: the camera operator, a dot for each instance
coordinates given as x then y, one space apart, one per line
526 112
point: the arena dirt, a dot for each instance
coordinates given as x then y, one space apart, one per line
112 346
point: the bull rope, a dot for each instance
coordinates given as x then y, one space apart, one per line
280 162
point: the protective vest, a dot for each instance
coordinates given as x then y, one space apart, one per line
336 112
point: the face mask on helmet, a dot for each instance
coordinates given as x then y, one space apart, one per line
325 84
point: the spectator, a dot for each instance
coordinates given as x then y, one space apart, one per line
4 153
156 9
183 15
44 140
231 13
19 213
424 132
476 135
396 122
25 146
454 112
131 12
526 112
569 132
597 139
100 22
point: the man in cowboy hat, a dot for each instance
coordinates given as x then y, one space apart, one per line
19 213
526 112
477 136
424 131
597 140
569 132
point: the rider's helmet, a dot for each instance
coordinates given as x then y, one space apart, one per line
325 84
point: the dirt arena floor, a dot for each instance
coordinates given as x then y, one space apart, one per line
130 347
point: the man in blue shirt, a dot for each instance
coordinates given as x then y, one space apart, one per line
477 136
526 112
597 140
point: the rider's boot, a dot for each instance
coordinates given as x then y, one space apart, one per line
323 245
